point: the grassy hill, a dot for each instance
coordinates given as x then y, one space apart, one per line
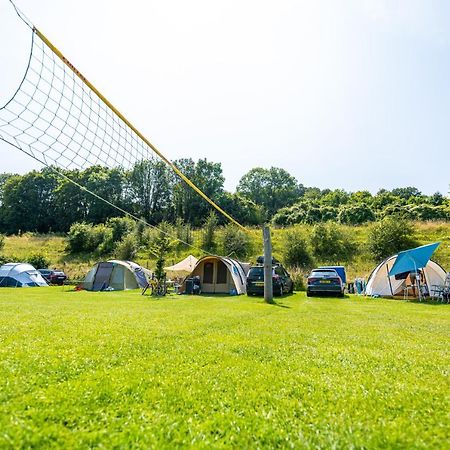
118 370
54 248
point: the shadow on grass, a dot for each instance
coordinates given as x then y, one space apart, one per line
280 305
428 302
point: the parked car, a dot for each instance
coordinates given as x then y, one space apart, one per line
282 282
325 281
340 270
53 276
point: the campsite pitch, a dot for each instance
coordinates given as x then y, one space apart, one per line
83 370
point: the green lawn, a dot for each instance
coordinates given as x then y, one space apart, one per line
116 370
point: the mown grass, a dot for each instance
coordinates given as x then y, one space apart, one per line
117 370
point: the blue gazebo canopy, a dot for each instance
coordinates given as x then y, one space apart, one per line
411 260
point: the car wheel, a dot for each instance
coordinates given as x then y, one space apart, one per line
309 294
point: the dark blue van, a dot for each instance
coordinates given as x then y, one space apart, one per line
340 271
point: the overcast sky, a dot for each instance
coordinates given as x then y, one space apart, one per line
343 94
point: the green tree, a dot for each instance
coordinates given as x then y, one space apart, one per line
272 188
149 190
209 232
235 242
127 248
331 244
335 198
437 199
120 227
183 232
242 209
389 236
74 204
160 247
356 214
406 192
29 202
207 176
295 250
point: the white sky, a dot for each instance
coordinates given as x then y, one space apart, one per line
352 94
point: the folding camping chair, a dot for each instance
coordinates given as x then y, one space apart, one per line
441 292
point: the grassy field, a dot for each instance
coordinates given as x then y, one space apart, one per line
53 247
117 370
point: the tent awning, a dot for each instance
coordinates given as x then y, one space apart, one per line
186 265
411 260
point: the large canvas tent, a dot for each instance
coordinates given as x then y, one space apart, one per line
182 268
381 284
219 275
116 275
20 275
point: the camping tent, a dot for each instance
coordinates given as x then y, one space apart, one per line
116 275
20 275
219 275
184 267
380 283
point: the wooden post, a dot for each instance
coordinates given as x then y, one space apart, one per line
268 287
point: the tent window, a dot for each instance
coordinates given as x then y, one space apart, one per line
208 270
221 277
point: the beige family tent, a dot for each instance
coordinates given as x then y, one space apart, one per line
116 275
380 284
183 268
219 275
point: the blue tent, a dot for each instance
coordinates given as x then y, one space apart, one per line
411 260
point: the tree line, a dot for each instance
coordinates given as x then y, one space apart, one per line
43 201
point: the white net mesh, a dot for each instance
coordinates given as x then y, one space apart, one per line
57 119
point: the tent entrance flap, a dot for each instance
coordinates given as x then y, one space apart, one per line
103 275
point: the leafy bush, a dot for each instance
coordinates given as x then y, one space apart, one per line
107 243
356 214
298 277
8 259
98 234
127 248
396 210
78 237
295 250
2 242
120 226
84 237
330 243
428 212
38 261
235 241
390 236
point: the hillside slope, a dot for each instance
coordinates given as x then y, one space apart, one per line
53 247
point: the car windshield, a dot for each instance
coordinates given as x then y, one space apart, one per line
256 272
323 273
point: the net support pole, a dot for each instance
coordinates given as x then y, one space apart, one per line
268 284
